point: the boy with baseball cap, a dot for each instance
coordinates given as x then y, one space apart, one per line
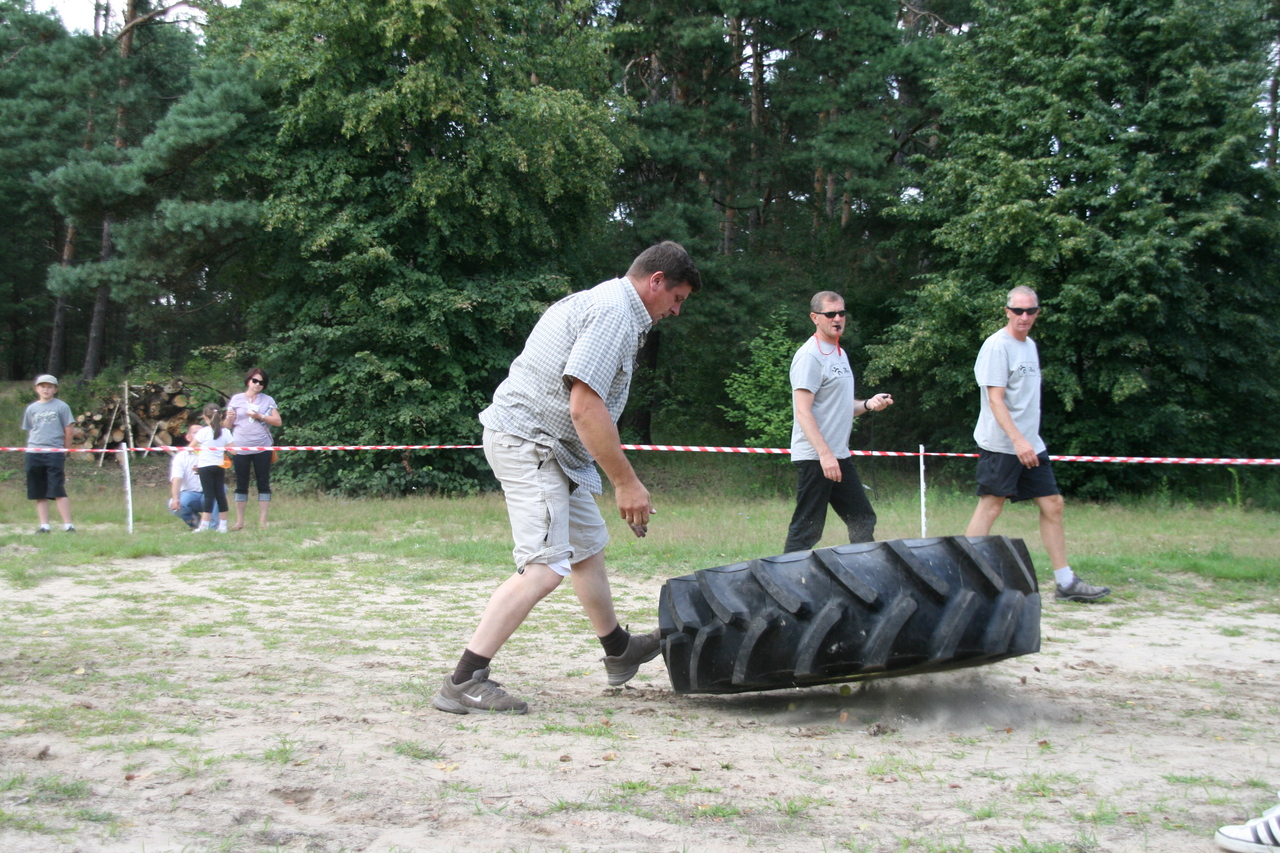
49 424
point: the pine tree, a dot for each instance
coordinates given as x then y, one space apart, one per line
1106 154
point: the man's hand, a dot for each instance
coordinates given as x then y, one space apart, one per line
879 403
635 506
599 434
830 466
1021 447
173 504
1026 453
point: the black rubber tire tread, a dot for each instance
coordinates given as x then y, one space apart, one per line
850 613
767 574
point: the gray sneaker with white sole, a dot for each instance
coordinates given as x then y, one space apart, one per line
1078 590
641 648
479 695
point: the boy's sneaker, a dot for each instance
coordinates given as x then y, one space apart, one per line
1260 835
70 528
641 648
44 529
1078 590
477 696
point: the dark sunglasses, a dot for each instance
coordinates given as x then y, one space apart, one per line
1021 311
258 381
830 315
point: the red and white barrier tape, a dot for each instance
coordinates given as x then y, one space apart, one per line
158 447
1163 460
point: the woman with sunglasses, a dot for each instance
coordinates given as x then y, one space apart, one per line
250 416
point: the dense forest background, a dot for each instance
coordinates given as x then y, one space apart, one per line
375 199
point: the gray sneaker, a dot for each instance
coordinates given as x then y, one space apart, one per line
641 648
1078 590
478 696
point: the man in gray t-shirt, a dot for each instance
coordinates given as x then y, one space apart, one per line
1013 462
49 423
552 421
823 408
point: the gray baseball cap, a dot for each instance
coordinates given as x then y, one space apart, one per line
43 378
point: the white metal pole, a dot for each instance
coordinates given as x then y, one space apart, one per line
128 486
124 453
924 523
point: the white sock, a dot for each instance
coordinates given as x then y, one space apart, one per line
44 527
1064 576
68 526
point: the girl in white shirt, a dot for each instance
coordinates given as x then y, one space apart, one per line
213 440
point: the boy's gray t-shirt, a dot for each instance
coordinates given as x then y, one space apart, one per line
830 378
1014 365
46 423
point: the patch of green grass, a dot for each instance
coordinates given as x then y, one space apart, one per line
639 787
284 751
80 722
1176 779
716 810
20 823
794 807
982 812
192 761
587 729
418 752
1047 784
132 746
22 574
1025 846
898 766
53 789
1103 813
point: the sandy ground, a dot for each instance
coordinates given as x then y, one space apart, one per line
150 706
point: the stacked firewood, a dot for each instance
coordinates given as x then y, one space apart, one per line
153 415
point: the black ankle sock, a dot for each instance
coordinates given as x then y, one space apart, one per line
616 643
467 666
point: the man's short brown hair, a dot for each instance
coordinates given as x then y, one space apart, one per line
672 260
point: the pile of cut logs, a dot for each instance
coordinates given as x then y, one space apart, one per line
155 414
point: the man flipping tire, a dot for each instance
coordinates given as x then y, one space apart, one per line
552 419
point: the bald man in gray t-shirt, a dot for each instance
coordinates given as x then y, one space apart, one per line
1013 463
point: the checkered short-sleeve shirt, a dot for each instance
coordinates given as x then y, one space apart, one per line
592 336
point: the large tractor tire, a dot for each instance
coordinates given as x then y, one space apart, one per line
850 613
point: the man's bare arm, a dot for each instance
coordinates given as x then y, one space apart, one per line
1025 451
802 400
599 434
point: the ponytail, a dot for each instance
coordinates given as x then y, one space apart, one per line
213 415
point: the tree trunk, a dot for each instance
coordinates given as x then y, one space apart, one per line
59 336
98 324
1273 116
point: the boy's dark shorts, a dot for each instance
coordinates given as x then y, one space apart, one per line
1001 474
46 476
